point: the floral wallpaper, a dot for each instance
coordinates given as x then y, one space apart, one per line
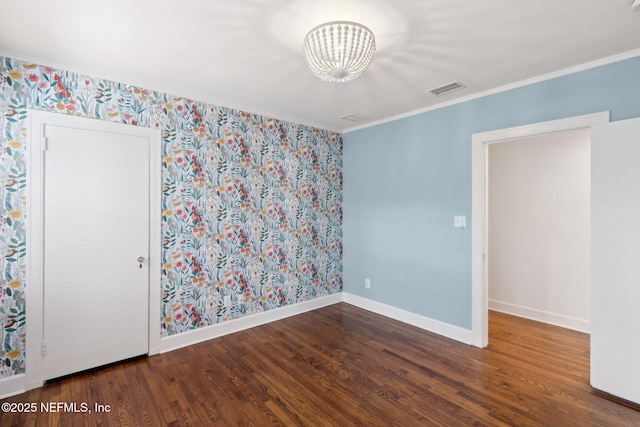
252 206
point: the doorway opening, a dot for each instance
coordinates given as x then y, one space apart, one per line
480 217
538 234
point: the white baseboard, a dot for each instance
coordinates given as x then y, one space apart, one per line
561 320
11 386
214 331
450 331
185 339
17 384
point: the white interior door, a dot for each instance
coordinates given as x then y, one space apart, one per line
96 226
615 259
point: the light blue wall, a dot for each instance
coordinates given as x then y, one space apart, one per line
405 180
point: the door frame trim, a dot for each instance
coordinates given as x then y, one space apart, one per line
37 120
479 216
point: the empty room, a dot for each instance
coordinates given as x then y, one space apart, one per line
336 213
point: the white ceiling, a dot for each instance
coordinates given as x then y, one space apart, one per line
247 54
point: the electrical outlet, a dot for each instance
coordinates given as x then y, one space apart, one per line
227 300
367 283
241 299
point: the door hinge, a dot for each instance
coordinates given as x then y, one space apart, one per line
43 348
44 144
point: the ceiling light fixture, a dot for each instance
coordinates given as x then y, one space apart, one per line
339 51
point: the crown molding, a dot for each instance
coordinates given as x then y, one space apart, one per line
544 77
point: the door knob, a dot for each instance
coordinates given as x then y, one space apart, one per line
140 259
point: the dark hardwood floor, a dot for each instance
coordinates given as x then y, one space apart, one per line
343 366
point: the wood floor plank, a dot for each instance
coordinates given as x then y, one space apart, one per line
343 366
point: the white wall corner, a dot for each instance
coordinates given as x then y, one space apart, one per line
445 329
195 336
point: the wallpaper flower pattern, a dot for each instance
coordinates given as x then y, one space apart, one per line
252 206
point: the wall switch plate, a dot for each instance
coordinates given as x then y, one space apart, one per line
367 283
241 299
460 221
227 300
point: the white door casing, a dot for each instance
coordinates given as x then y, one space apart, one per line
88 200
479 226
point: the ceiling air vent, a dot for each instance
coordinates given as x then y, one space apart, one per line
448 88
355 117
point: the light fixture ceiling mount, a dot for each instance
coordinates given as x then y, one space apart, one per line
339 51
